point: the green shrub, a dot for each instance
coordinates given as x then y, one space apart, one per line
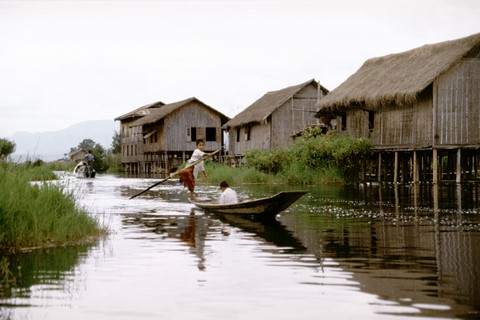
333 156
272 161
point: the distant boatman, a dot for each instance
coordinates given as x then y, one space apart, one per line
89 159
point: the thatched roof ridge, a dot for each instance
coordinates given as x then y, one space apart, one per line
140 112
263 107
398 79
160 113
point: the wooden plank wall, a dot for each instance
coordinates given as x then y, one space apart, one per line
293 116
130 138
458 106
259 138
171 131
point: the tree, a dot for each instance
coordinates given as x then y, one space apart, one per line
87 144
116 142
7 147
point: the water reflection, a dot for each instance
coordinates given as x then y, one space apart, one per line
32 274
420 250
193 230
365 251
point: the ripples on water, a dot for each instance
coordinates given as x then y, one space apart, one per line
338 253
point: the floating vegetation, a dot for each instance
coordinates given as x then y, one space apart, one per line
466 219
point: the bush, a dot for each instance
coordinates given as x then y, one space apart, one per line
271 162
340 155
7 147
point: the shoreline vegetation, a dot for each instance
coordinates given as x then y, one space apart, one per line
40 215
313 159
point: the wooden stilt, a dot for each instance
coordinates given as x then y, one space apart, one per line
379 170
395 168
434 166
459 166
415 167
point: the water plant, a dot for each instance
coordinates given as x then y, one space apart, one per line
39 214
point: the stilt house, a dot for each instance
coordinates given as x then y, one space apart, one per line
420 108
131 140
168 134
274 119
77 155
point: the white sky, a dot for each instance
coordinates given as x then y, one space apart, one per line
63 62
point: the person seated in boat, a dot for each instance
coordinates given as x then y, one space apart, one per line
229 196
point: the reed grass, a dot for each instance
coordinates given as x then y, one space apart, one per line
41 214
218 172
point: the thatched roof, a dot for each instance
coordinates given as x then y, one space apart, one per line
398 79
160 113
263 107
140 112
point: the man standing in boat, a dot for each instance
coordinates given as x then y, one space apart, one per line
89 160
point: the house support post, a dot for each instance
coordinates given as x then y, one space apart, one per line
434 166
395 168
415 167
379 170
475 166
167 169
459 166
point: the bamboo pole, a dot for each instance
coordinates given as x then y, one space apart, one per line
379 170
434 166
415 167
395 168
459 166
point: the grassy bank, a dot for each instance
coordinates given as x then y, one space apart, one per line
295 175
36 215
311 160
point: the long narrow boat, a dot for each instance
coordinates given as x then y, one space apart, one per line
263 206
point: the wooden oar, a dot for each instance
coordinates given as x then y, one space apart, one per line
176 173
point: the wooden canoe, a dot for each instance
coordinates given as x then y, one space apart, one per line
263 206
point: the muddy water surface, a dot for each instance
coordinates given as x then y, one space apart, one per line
364 252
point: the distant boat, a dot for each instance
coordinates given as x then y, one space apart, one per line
263 207
79 170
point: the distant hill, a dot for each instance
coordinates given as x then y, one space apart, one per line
53 145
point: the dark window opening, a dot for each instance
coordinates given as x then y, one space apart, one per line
247 133
238 134
371 120
344 122
193 134
211 134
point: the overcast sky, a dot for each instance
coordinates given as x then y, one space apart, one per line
63 62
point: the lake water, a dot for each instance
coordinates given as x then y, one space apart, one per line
363 252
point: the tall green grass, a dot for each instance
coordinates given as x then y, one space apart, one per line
42 214
218 172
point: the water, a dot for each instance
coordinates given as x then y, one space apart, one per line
364 252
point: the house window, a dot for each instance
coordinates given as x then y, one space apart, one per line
371 120
207 134
211 134
247 133
238 134
344 122
192 134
